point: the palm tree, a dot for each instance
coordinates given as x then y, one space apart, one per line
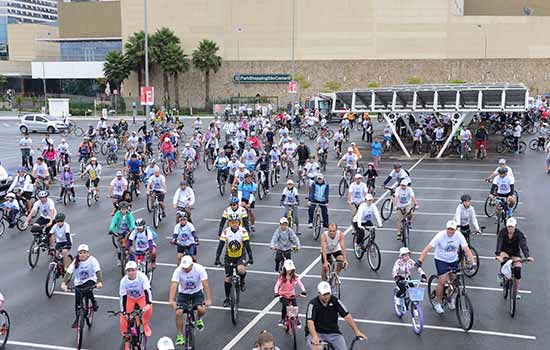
175 62
116 68
206 59
135 53
160 41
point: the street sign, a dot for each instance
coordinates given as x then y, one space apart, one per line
292 87
147 95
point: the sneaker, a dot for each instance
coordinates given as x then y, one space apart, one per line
226 302
281 323
73 200
267 191
398 237
163 214
180 340
298 324
439 309
59 199
461 156
200 325
253 228
243 286
298 233
452 303
118 263
96 306
518 297
310 225
138 192
74 324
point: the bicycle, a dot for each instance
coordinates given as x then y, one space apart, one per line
465 150
463 261
411 302
209 159
39 243
317 220
91 196
56 270
387 205
261 189
508 145
132 186
290 217
166 164
234 294
67 194
275 173
20 221
406 226
291 321
145 264
72 129
333 278
4 325
221 179
509 284
491 202
463 305
345 181
328 346
154 204
135 335
120 244
84 315
190 327
112 157
359 248
323 161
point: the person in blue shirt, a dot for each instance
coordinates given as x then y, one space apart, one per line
318 194
134 170
376 152
246 191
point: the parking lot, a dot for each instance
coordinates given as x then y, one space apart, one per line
39 322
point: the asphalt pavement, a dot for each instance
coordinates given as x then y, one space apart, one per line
39 322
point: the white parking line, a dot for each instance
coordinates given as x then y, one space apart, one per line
39 346
358 320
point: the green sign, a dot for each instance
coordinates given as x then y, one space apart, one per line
261 78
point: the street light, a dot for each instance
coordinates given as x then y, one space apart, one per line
293 67
146 48
484 39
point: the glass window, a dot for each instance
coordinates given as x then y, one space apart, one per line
29 118
40 119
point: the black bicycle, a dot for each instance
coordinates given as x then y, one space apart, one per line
190 328
509 284
234 294
368 245
405 231
325 345
55 271
221 179
39 243
387 205
134 335
470 270
21 218
84 315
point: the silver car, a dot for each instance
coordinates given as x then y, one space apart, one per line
40 123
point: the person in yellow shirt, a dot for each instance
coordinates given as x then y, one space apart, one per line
351 118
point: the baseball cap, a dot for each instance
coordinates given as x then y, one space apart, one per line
186 262
165 343
131 265
289 265
83 247
119 173
358 176
323 288
451 224
283 221
511 222
369 197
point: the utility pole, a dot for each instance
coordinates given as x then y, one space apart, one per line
146 48
293 66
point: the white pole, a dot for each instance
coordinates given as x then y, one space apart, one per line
147 107
293 68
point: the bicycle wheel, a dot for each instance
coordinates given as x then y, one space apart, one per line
287 171
358 251
189 337
90 314
149 199
209 163
123 260
89 198
293 330
221 186
78 131
234 297
464 311
505 287
500 221
516 194
34 253
342 187
335 286
387 209
149 269
2 227
261 192
397 308
417 318
373 256
4 328
490 206
21 222
51 279
405 235
469 270
501 147
156 213
104 148
79 330
513 294
317 223
522 146
534 144
277 174
432 284
272 177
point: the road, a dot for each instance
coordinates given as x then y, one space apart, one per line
39 322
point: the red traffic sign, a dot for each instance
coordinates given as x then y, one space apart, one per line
147 95
292 87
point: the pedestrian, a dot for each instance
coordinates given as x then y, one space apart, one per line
376 152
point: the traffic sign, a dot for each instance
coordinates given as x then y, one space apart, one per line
147 95
292 87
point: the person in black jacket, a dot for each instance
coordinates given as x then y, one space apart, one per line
303 154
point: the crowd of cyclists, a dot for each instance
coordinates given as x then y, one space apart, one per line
246 154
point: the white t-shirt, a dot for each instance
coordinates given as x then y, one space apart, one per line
190 282
43 209
446 248
404 197
85 272
119 186
61 232
503 184
141 239
135 288
358 192
157 183
184 234
291 196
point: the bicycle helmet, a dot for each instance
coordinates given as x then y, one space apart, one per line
181 215
152 161
234 245
234 200
403 251
123 205
21 169
465 198
234 217
503 171
10 195
42 194
60 217
369 197
184 183
140 222
397 165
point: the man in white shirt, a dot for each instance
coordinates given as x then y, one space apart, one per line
404 201
184 199
357 192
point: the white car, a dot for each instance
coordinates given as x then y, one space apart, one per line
5 181
40 123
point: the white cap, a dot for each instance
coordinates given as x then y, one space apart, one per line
369 197
119 173
502 161
83 247
350 149
358 176
405 181
186 145
403 251
241 165
511 222
186 262
165 343
451 224
320 176
290 182
131 265
283 221
323 288
289 265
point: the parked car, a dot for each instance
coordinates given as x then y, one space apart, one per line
5 181
40 123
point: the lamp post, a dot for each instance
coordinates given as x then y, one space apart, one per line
293 64
146 49
484 39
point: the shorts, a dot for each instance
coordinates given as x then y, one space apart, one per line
95 182
184 300
235 261
160 195
63 245
252 205
479 143
116 196
190 250
134 176
443 267
26 195
400 212
332 256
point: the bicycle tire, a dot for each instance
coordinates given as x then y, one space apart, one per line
469 272
516 194
373 257
123 261
342 187
501 147
221 187
293 330
21 222
272 177
209 163
387 209
277 175
6 325
51 280
261 193
417 318
317 223
490 207
79 331
500 221
234 297
534 144
156 216
65 132
104 148
90 314
335 286
405 232
396 308
287 171
78 131
357 250
89 198
34 253
432 284
513 300
505 288
114 241
189 337
148 199
2 227
463 301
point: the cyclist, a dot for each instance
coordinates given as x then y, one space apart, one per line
11 206
232 166
263 164
284 240
66 179
185 237
338 139
446 244
303 154
85 149
23 184
236 239
40 172
93 170
465 215
404 201
322 320
188 152
157 185
190 282
60 238
116 189
401 273
184 199
123 223
367 212
149 171
510 241
265 341
397 174
25 145
350 159
246 191
481 137
288 150
63 151
290 199
249 157
502 165
357 193
134 171
87 275
135 290
144 237
371 175
168 150
285 289
503 187
221 163
318 194
310 170
234 208
322 145
45 208
240 174
333 247
465 140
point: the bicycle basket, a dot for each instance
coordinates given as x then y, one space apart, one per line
416 293
506 269
292 311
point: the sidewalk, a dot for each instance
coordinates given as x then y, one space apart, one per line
12 116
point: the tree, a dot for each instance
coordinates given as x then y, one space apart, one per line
160 41
3 82
303 84
415 80
135 54
373 85
175 62
206 60
331 86
116 68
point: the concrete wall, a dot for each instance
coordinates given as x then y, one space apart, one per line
505 7
24 46
89 19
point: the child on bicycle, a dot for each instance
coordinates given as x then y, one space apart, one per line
371 174
167 149
401 272
285 288
266 341
66 179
